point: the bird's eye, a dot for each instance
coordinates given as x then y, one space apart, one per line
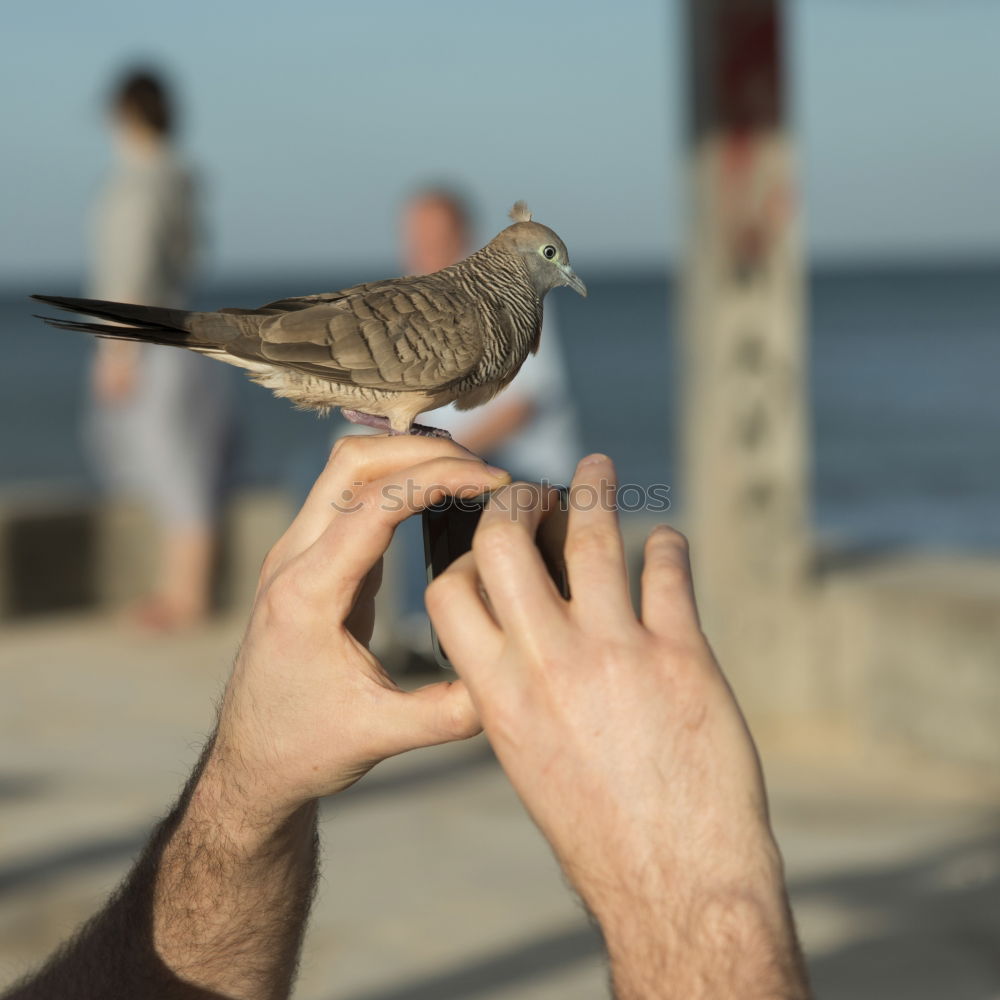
549 252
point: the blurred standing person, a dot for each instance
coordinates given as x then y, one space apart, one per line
530 428
160 420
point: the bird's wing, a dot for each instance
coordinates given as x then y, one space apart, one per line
411 334
297 302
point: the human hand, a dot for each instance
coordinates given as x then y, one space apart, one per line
308 709
625 744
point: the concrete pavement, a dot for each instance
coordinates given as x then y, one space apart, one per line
435 885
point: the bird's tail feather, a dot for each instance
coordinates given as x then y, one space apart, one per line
148 324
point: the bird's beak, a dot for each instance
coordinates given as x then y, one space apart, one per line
572 280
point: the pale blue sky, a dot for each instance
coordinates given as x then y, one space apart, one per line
310 118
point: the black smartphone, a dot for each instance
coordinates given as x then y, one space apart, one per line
450 525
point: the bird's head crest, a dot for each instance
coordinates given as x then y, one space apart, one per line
520 212
544 255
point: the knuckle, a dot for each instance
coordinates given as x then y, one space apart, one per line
460 720
493 540
666 537
612 656
667 552
689 652
436 480
443 448
434 489
439 591
346 449
686 689
589 541
667 572
270 565
285 597
506 712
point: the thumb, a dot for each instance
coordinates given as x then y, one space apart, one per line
433 714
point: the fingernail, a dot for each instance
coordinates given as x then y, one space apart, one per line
497 473
596 459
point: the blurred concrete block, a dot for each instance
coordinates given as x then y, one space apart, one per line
48 542
126 554
64 551
909 655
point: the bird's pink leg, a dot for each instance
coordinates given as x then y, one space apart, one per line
365 419
382 424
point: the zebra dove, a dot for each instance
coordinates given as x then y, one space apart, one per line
384 352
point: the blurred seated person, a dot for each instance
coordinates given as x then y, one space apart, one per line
530 427
159 424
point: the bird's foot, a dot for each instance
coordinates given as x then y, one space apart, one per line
382 424
424 431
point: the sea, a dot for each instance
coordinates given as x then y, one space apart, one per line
904 380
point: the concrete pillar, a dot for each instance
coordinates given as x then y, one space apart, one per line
744 482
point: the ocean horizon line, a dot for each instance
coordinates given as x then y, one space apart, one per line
320 277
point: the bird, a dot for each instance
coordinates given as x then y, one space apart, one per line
385 352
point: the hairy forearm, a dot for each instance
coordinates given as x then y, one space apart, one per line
233 891
215 908
703 944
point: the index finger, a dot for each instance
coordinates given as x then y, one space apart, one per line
355 460
520 590
595 554
339 560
